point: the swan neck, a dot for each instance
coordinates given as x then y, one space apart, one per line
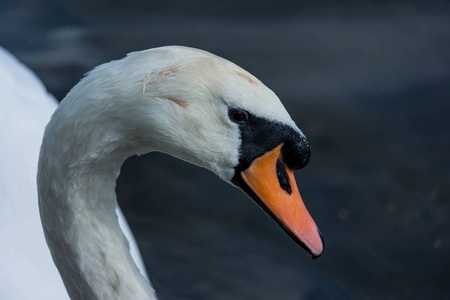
78 211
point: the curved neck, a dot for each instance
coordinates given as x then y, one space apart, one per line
77 204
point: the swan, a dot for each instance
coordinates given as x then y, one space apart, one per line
187 103
26 267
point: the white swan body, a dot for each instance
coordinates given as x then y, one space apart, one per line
181 101
27 270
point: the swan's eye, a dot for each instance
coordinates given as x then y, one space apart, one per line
238 115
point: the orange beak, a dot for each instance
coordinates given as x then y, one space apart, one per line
273 184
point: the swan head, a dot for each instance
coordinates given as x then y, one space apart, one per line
208 111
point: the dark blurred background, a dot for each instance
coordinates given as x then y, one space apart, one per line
369 84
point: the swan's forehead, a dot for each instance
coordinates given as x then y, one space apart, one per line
235 86
254 97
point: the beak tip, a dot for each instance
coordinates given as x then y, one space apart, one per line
318 254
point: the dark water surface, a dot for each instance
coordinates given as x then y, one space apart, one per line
369 84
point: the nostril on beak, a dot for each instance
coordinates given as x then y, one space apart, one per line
283 177
296 154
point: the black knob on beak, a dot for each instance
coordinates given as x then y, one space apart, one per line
296 153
